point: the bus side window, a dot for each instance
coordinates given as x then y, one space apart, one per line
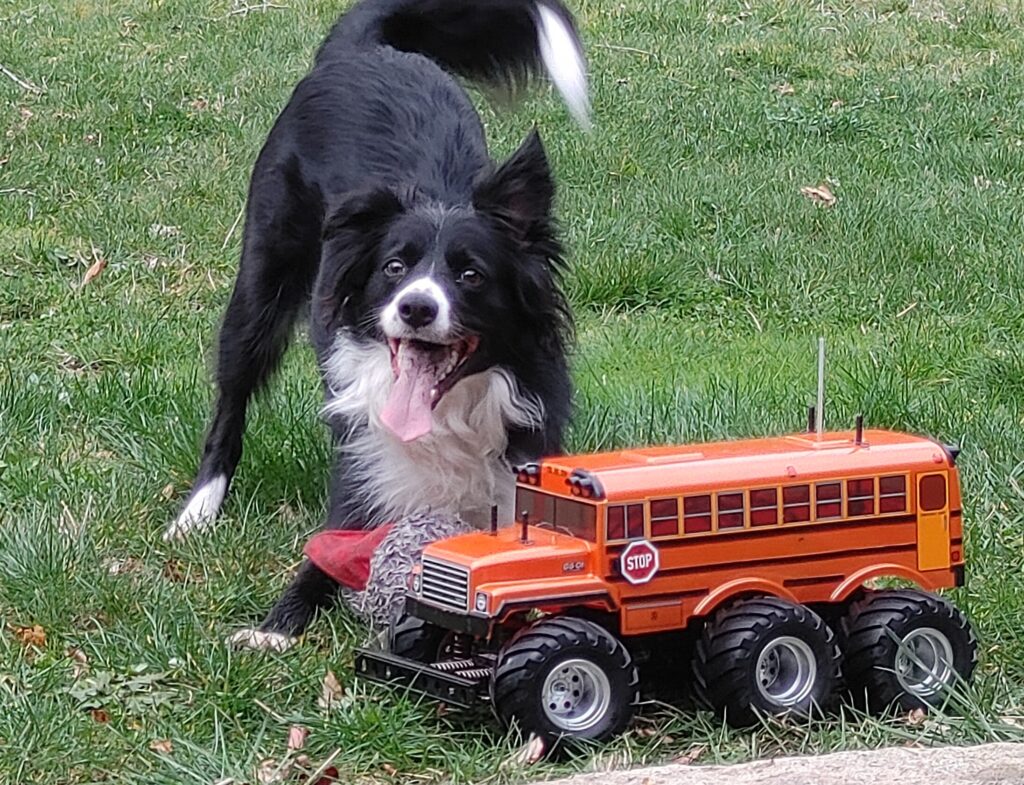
730 510
634 521
892 493
860 497
697 514
828 496
664 517
616 522
764 507
796 504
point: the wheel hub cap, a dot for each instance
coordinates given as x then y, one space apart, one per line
786 671
576 695
924 662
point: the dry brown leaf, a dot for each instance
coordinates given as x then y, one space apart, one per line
784 88
388 769
99 715
332 692
270 771
30 636
94 270
125 566
168 492
163 746
527 755
692 755
297 737
174 571
916 716
819 194
79 662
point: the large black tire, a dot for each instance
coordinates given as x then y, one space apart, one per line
565 678
766 656
905 649
416 639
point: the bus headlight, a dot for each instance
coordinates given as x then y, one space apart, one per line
481 601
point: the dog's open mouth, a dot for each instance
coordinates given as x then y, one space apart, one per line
424 372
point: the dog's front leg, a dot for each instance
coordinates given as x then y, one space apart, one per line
309 591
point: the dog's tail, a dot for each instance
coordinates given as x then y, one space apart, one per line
497 42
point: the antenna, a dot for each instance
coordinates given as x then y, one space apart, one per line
819 411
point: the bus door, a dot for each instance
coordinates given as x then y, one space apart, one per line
932 521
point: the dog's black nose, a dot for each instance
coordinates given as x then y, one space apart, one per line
417 309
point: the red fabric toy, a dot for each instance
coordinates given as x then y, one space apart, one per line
345 555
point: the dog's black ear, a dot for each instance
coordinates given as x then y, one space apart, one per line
361 212
354 227
521 191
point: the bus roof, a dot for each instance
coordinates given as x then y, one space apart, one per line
746 463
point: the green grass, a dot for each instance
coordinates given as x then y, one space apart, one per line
701 278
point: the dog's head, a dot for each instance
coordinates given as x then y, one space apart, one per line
452 290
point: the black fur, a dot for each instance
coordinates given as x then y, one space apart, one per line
373 143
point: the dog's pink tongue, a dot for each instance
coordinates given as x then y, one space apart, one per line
407 411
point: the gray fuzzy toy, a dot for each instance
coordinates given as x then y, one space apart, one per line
392 563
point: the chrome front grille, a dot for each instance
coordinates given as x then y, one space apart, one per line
445 584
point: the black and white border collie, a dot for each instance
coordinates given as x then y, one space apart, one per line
431 274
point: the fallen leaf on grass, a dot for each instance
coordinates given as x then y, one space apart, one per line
297 737
174 571
34 636
163 746
783 88
163 230
94 270
270 771
168 492
916 716
125 566
692 755
79 662
332 693
531 752
819 194
99 715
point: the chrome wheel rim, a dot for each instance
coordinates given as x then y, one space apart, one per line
576 695
924 662
786 671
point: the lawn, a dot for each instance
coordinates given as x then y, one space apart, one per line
701 276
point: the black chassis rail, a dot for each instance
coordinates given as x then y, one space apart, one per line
449 688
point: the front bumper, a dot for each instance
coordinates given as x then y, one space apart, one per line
456 621
449 687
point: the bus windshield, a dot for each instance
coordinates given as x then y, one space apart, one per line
568 516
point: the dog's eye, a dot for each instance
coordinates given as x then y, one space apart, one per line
471 277
394 268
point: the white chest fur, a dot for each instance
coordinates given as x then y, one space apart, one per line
457 468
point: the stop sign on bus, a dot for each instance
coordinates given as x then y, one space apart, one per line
639 562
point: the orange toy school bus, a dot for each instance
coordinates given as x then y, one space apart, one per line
759 549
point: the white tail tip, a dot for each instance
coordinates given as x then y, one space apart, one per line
563 59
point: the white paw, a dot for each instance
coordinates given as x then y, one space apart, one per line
201 509
257 640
